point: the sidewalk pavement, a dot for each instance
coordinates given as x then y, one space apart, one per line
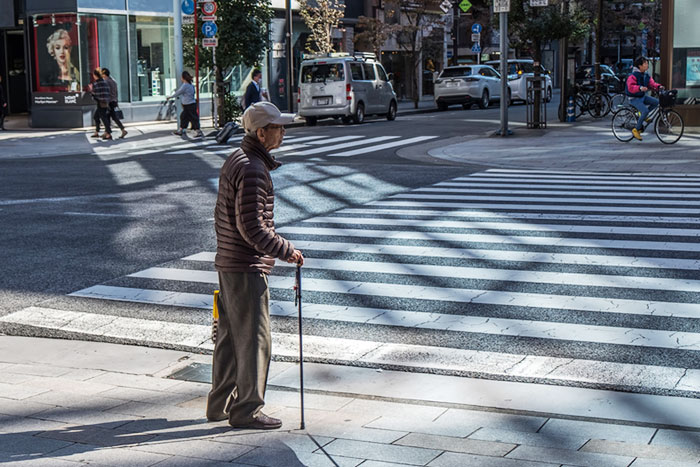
69 403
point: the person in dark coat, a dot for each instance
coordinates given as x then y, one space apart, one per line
113 100
253 92
100 92
3 105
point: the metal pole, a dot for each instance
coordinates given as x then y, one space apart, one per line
214 114
290 56
301 346
178 52
196 54
503 20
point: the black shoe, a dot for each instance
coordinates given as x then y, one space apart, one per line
260 422
217 418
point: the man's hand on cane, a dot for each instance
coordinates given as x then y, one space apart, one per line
297 258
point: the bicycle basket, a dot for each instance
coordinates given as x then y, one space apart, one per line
667 98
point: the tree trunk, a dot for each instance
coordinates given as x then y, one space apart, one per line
537 59
219 77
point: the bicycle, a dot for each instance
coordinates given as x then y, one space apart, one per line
668 124
596 103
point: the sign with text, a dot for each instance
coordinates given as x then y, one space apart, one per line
539 2
476 37
501 6
187 19
209 8
209 29
210 42
465 5
209 18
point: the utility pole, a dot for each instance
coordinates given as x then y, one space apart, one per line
598 42
503 22
290 56
177 25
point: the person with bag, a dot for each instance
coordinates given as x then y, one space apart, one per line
113 101
254 92
189 106
247 246
100 92
638 83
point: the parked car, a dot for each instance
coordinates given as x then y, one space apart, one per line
340 85
585 74
467 85
519 69
623 68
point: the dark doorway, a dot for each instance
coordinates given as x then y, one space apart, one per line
14 71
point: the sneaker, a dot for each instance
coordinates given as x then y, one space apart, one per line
177 133
260 422
636 134
199 134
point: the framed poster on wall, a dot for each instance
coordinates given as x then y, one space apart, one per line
692 68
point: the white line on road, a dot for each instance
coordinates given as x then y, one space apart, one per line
583 190
340 146
545 199
568 192
382 146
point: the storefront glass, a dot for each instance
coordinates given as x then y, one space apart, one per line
103 39
152 67
685 71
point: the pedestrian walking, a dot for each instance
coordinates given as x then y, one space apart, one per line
247 246
113 100
189 115
254 92
3 105
100 92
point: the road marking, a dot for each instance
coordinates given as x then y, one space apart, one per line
129 173
553 186
383 146
544 199
485 176
341 146
567 192
498 239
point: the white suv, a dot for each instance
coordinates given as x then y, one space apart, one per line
340 85
518 71
466 85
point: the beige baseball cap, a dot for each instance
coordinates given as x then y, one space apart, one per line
262 114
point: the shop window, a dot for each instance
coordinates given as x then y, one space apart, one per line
152 68
685 71
161 6
103 43
57 58
103 4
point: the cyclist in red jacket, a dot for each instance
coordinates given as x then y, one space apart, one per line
638 83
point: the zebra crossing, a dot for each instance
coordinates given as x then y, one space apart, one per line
329 146
581 279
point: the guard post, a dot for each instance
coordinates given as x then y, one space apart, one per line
536 87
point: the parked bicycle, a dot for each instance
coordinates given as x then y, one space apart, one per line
668 124
588 99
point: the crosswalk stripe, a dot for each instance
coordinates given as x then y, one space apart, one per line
448 294
498 239
519 215
533 207
379 147
592 182
340 146
569 192
507 226
486 255
545 199
583 190
574 176
474 324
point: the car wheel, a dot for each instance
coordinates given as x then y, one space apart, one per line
311 121
484 102
442 106
510 98
359 116
549 95
391 114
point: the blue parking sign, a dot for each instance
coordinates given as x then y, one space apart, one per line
209 29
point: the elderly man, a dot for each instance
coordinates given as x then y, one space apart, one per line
247 246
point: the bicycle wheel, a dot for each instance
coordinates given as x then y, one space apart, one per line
618 101
580 105
669 126
598 105
622 123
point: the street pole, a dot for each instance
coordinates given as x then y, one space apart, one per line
177 24
503 20
196 55
290 57
598 42
214 94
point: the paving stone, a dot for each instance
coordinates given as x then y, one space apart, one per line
448 443
291 416
395 409
38 369
340 429
26 425
136 381
145 409
659 463
191 462
118 457
451 459
27 445
190 387
525 423
565 456
690 381
381 452
680 438
22 408
311 401
83 374
15 378
146 395
199 448
670 453
73 399
594 430
175 428
96 436
86 388
86 417
19 391
529 439
269 457
273 440
441 427
9 460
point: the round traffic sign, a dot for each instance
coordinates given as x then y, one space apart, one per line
209 29
187 7
209 8
477 28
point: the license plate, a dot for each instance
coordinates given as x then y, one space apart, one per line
322 102
451 85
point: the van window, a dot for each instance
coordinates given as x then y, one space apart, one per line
356 71
322 73
456 72
369 71
381 73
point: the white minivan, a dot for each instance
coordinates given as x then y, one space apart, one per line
340 85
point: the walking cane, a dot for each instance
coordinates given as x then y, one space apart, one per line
297 301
